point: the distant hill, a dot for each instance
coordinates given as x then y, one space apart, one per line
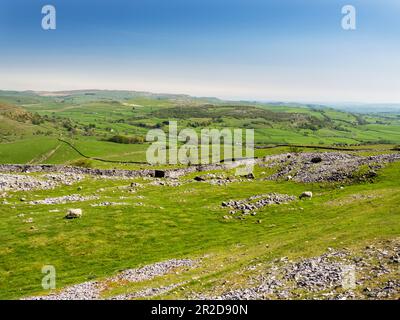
102 115
95 94
17 122
368 108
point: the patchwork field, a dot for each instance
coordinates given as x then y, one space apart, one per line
203 234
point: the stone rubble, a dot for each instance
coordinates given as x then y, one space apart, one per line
325 167
64 199
107 204
147 293
165 182
84 291
220 179
20 182
299 167
153 270
254 203
325 277
91 290
120 173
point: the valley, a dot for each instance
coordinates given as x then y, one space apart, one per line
77 193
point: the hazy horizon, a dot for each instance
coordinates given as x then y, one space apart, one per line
237 50
327 103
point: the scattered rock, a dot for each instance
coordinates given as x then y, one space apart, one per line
83 291
219 180
147 293
150 271
326 166
107 204
24 182
166 182
335 275
91 290
250 205
64 199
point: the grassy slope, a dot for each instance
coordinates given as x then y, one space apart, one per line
190 224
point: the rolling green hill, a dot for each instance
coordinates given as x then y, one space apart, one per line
88 118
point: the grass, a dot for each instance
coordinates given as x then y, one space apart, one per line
183 221
112 113
25 151
190 224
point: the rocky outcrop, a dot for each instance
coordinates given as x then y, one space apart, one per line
326 167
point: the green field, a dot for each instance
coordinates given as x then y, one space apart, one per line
88 119
184 221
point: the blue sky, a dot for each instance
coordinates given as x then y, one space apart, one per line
238 49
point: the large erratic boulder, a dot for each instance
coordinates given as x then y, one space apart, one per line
306 194
74 213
